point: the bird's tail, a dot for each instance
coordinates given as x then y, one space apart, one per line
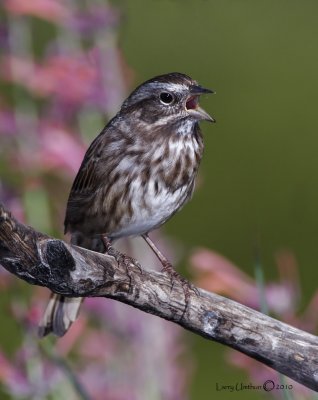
59 315
62 311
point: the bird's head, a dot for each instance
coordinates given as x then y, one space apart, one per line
167 99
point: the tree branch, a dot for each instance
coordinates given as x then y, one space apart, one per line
76 272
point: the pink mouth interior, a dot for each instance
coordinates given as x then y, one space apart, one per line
192 102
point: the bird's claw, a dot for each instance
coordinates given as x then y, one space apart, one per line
122 259
127 261
186 285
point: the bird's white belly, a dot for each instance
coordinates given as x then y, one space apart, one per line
150 209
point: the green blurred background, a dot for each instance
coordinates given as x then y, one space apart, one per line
260 168
259 172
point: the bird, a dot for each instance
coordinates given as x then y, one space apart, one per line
136 174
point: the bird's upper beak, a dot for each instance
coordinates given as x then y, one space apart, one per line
192 104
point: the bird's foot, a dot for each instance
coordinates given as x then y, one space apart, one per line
186 285
127 261
122 259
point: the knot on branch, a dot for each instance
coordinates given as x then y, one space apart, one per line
58 258
211 321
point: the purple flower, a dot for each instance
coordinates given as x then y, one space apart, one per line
4 37
8 125
97 17
111 342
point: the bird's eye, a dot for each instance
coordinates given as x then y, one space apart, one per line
166 98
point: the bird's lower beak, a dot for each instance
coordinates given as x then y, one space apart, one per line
193 108
201 115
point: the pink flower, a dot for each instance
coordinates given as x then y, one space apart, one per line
217 274
13 378
69 77
109 341
51 10
7 122
59 148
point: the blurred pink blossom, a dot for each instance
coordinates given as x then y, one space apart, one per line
68 343
69 77
95 18
7 122
51 10
111 343
72 80
13 377
59 148
216 273
56 149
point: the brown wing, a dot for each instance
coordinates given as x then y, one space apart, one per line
95 177
86 178
85 183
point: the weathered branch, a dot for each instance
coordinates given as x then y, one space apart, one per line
73 271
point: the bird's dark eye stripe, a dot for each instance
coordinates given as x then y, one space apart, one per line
166 98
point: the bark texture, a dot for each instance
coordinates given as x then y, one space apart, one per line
73 271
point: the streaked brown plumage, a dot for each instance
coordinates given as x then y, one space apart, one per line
136 174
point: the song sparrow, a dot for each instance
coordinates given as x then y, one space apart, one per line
135 175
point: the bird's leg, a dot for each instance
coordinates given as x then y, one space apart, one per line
168 268
108 245
120 258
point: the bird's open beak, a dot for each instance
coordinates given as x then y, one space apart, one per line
192 104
